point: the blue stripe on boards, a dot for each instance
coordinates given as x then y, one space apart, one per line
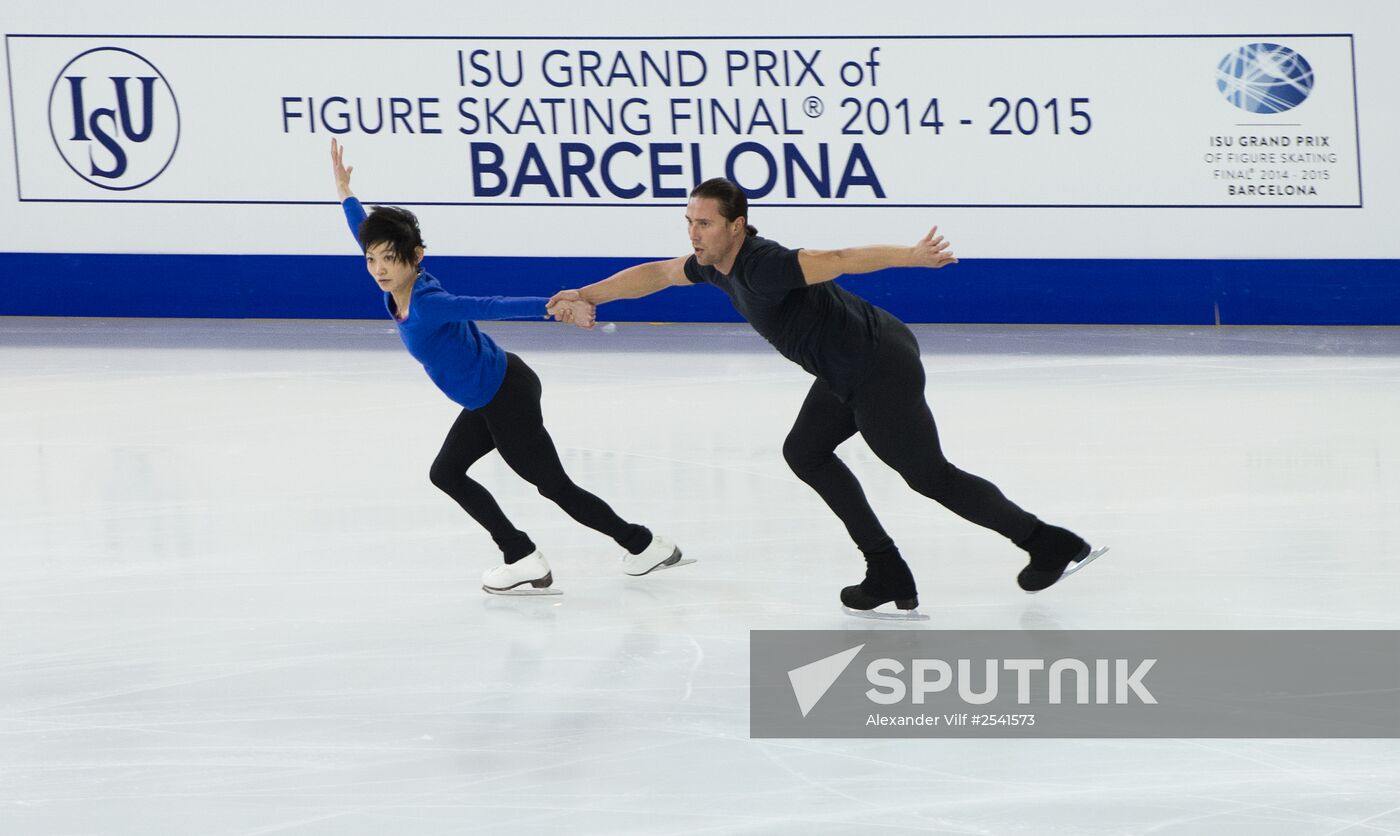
1049 291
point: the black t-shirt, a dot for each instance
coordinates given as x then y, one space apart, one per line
823 328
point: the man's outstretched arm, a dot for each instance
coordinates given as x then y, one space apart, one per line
636 281
824 265
633 283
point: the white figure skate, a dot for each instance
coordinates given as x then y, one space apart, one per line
661 554
528 576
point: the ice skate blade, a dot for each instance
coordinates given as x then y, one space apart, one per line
1074 567
524 591
897 615
672 562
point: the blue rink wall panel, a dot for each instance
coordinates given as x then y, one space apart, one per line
1050 291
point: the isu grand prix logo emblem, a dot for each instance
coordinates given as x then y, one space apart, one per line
1264 78
113 118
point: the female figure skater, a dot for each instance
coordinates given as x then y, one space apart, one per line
498 392
869 379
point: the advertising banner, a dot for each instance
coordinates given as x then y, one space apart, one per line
1251 120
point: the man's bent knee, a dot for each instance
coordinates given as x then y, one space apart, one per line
804 459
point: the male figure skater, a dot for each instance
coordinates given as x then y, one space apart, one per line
869 379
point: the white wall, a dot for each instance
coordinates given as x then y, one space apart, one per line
1153 102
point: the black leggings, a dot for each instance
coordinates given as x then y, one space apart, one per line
513 424
889 411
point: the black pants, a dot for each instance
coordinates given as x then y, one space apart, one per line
889 411
513 424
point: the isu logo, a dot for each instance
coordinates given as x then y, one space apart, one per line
114 118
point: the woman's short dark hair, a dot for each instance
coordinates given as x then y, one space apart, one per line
733 203
393 226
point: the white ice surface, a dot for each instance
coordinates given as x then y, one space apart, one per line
232 603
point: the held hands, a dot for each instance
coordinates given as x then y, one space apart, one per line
568 306
342 174
932 251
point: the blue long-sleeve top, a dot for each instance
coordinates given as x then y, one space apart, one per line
440 330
